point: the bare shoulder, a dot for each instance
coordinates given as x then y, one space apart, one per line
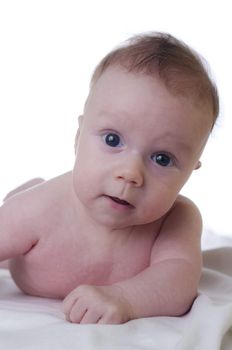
19 209
27 215
25 207
180 234
17 234
185 211
26 185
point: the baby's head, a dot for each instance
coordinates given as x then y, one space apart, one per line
147 118
161 55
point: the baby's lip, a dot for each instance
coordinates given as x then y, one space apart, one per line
121 201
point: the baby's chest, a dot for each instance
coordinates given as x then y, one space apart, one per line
53 268
83 264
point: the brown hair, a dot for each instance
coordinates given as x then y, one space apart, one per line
180 68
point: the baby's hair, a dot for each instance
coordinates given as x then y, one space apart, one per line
180 68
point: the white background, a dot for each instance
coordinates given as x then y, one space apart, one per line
48 50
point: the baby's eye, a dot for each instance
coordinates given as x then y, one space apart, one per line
162 159
112 140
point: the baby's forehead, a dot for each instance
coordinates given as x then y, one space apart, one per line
181 88
120 81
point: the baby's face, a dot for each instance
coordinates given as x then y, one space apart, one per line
137 146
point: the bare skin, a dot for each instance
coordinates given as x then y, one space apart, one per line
24 186
21 188
114 237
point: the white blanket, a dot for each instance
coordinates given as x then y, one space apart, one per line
37 323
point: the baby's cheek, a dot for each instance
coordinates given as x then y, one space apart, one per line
158 206
83 183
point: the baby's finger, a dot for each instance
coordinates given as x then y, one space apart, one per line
77 313
90 317
68 304
110 318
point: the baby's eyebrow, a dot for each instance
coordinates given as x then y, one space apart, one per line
116 115
173 140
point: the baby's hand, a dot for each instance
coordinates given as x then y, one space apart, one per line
97 304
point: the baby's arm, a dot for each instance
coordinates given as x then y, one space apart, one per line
16 237
167 287
23 187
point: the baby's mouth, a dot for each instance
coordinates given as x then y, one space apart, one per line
120 201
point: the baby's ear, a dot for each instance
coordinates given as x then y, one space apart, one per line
80 118
198 165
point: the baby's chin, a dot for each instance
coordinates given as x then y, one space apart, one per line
110 223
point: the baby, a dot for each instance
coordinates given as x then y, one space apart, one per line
114 237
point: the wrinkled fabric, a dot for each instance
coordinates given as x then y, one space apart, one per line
38 323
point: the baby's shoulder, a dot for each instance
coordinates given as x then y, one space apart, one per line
26 208
184 214
19 209
183 205
180 234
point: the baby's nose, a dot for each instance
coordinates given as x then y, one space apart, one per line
131 172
